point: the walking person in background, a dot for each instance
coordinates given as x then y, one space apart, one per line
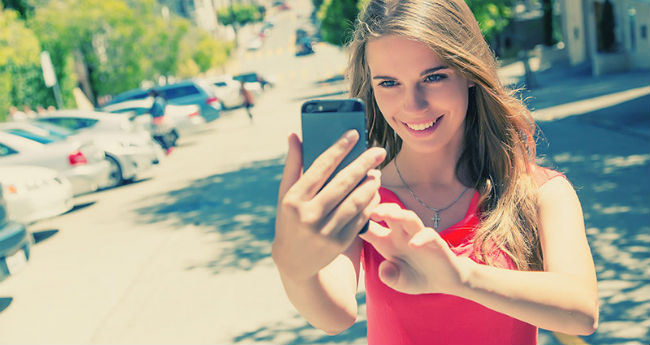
157 111
470 241
249 102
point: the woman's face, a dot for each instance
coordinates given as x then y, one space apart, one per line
424 101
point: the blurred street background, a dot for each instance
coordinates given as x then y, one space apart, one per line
167 240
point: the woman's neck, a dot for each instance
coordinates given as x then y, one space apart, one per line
428 169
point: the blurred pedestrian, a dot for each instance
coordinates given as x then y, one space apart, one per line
157 111
249 102
469 241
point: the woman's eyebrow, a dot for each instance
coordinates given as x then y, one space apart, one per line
425 72
434 69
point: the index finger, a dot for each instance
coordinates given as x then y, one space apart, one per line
314 178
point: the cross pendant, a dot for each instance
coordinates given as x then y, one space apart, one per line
436 220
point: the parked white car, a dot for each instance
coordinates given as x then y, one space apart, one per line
33 193
227 90
83 164
131 153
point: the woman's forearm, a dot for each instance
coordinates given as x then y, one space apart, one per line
328 300
554 301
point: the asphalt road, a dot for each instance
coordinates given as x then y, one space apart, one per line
183 256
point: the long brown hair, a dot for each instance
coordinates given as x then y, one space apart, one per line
499 144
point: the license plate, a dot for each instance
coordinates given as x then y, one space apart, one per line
16 261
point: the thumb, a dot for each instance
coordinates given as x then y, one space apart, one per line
389 273
292 166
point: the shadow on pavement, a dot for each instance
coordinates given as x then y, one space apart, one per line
609 169
5 302
297 331
239 205
42 235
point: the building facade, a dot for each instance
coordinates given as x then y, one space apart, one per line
589 24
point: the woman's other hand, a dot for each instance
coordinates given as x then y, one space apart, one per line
313 225
418 260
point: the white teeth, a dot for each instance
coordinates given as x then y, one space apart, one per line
421 126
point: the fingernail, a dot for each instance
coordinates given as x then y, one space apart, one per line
379 154
351 135
374 173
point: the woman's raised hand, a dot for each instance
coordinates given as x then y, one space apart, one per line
418 260
313 225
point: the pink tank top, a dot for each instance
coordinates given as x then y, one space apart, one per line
397 318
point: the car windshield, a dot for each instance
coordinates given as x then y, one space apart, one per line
53 129
135 110
32 136
181 91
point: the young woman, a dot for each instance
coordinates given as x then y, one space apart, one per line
470 242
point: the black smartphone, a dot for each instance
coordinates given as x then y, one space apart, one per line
324 122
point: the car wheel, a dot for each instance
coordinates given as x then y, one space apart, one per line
115 175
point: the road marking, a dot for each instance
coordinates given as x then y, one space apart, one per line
566 339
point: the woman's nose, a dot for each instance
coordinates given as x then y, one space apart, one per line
414 99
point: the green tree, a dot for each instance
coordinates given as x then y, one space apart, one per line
23 7
119 44
21 81
238 15
492 15
337 20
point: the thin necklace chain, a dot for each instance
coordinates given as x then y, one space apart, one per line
436 211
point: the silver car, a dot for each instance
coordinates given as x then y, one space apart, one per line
130 152
83 164
178 120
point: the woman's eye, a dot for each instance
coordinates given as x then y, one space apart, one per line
388 83
434 78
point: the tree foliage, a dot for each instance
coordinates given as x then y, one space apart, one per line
21 81
239 14
492 15
107 46
337 19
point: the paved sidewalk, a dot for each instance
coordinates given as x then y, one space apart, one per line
596 130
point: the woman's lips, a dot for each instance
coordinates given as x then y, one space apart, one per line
423 128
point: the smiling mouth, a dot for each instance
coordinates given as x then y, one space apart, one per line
421 126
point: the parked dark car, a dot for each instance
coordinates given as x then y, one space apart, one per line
180 93
193 92
15 243
304 43
129 95
253 81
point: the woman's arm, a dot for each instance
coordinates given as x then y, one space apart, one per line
562 298
316 249
328 300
